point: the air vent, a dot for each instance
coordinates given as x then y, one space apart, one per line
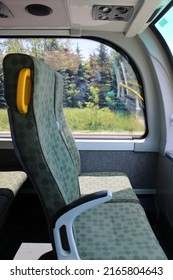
4 11
112 13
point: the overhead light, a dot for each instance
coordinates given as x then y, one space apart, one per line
112 13
4 11
38 10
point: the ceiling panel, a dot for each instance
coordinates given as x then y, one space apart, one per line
21 19
76 15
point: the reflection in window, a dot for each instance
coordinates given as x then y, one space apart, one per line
102 94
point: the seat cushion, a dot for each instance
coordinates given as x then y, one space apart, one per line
116 231
12 180
118 183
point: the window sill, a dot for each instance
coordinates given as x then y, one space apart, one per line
88 144
109 145
6 143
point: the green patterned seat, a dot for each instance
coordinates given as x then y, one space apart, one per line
36 136
126 235
107 231
12 180
118 183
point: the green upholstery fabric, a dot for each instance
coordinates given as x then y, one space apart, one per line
12 180
119 184
53 147
63 126
57 183
116 231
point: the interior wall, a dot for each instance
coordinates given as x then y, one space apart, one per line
140 167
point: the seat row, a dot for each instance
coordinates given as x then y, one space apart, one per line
84 221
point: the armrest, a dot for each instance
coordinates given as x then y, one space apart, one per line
64 223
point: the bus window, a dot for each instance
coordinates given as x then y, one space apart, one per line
165 26
103 93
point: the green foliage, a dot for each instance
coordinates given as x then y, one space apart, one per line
91 85
101 120
94 96
91 120
71 92
33 46
4 123
102 54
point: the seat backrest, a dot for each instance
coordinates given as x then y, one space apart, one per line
36 137
63 126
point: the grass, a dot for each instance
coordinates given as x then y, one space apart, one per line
92 120
4 123
102 120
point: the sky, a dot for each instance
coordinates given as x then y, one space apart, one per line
86 46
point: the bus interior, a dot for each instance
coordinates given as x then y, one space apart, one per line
87 124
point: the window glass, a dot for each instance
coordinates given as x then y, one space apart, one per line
165 26
103 96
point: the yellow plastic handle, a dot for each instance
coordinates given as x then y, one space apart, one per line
24 90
